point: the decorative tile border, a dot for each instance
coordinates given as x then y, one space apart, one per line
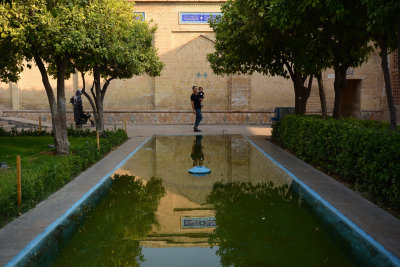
197 222
160 117
196 17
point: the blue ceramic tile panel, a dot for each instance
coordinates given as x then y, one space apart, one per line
197 222
198 75
139 15
196 17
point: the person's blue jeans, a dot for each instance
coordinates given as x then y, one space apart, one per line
199 117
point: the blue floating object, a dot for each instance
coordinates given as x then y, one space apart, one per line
199 171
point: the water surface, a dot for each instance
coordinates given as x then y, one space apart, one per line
247 212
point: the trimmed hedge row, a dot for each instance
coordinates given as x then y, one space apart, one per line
364 153
49 178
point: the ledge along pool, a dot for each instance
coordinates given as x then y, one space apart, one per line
247 212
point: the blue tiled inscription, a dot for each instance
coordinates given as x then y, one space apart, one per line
139 15
198 222
197 17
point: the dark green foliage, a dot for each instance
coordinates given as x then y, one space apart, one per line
112 232
268 225
30 132
364 153
48 178
5 2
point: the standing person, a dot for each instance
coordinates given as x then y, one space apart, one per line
196 106
78 108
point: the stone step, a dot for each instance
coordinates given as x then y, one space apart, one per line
24 123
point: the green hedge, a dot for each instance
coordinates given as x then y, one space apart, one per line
46 179
364 153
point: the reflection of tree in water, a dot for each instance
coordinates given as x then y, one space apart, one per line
263 225
110 236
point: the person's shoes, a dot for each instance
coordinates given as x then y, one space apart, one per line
197 130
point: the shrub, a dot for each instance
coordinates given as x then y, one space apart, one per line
45 179
364 153
30 132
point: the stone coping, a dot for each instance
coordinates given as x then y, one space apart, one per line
377 223
16 235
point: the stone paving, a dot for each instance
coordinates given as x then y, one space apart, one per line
382 226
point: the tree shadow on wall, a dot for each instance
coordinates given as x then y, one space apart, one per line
110 236
263 225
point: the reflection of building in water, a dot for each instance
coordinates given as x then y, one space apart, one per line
231 158
176 216
173 210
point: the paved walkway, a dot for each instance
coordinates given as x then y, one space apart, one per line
380 225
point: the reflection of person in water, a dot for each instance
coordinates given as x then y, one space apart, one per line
197 151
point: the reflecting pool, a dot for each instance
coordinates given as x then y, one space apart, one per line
246 212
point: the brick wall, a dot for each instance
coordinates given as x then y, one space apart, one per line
183 49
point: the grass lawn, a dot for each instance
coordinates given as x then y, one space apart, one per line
32 148
35 155
42 172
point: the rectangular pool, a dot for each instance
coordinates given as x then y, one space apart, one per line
246 212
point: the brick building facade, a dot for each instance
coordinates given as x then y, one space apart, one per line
183 40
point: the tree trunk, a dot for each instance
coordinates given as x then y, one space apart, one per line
58 116
388 86
98 100
398 46
100 115
300 100
322 95
339 85
92 103
60 128
301 93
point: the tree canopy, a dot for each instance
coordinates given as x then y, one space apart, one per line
119 47
382 16
249 38
50 33
11 39
60 36
292 39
